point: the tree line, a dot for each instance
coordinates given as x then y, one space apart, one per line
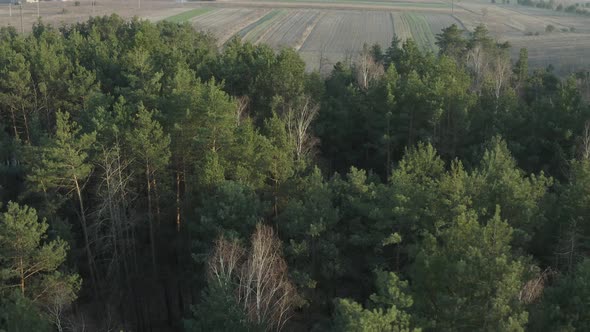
149 180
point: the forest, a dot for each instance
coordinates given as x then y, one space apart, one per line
150 181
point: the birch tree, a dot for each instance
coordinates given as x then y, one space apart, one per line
299 120
367 68
257 276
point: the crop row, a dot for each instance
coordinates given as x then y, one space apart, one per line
256 30
226 22
346 32
185 16
421 31
290 29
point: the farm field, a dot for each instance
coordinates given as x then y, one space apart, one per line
224 23
284 30
325 36
187 15
327 31
340 36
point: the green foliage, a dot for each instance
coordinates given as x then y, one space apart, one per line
230 210
565 305
521 68
22 254
148 142
413 191
29 263
465 278
451 42
461 172
248 157
61 163
281 152
218 311
311 223
389 304
570 213
18 314
500 182
15 91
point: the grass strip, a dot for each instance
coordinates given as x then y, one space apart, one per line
421 32
259 24
185 16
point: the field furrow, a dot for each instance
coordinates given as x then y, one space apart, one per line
400 26
468 20
254 31
225 23
340 35
187 15
327 31
308 31
347 31
289 29
421 31
438 22
564 51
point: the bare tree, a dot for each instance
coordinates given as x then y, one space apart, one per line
258 277
533 289
477 61
299 121
266 293
112 228
585 142
323 59
583 83
499 72
225 260
348 57
57 296
569 248
243 104
367 68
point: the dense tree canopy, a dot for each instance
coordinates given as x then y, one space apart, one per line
208 189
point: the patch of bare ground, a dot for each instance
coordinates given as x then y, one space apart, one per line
224 23
58 13
566 52
235 28
308 31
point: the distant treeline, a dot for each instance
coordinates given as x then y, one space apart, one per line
578 8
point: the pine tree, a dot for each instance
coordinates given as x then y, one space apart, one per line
29 262
22 254
521 69
451 42
387 311
16 93
466 279
150 147
62 169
